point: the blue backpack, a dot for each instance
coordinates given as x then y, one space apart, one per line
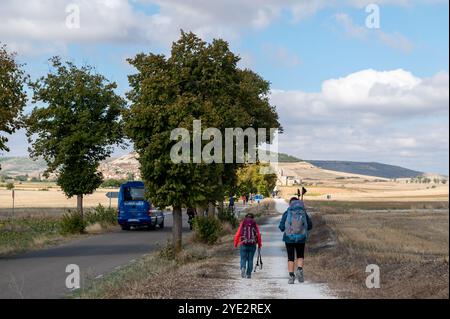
296 225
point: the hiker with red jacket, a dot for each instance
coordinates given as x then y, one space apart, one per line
247 236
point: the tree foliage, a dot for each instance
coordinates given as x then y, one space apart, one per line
77 127
199 81
251 180
12 95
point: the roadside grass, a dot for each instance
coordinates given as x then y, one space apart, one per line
30 212
411 248
198 272
27 233
192 274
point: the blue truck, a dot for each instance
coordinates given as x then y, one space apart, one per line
134 210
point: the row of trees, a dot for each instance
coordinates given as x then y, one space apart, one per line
250 180
79 119
427 180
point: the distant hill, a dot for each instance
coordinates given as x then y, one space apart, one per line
366 168
13 166
285 158
123 166
113 167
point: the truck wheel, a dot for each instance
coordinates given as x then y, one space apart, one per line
161 225
125 227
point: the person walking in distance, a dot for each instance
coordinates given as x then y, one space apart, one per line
231 204
295 223
191 212
247 237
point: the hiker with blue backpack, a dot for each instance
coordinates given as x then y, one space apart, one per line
295 224
247 237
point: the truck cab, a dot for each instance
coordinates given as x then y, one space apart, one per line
134 210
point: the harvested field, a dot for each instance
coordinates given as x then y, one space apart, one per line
411 248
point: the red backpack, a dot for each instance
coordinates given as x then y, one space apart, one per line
249 233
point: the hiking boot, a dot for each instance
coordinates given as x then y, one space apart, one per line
299 275
243 271
291 280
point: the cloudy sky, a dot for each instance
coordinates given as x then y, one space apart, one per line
345 87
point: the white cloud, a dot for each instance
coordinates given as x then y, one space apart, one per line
363 3
391 116
280 56
30 23
396 41
41 25
371 95
350 28
393 40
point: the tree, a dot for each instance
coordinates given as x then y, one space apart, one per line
78 127
21 178
12 95
198 81
251 180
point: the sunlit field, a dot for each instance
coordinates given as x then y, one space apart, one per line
409 242
46 199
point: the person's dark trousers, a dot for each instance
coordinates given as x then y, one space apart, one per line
247 255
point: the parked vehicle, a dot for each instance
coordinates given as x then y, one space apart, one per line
134 210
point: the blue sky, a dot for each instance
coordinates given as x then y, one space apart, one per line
343 91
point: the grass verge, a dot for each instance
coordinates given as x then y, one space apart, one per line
26 233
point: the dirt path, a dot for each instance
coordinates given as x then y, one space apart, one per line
271 281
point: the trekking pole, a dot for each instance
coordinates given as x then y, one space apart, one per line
258 260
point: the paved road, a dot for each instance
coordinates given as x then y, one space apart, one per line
41 274
272 281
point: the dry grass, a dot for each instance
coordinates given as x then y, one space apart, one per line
194 274
94 229
337 207
364 188
411 249
394 235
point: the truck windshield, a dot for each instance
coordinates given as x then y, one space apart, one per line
134 193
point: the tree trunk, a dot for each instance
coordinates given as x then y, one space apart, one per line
176 229
80 204
211 209
220 182
200 210
221 206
